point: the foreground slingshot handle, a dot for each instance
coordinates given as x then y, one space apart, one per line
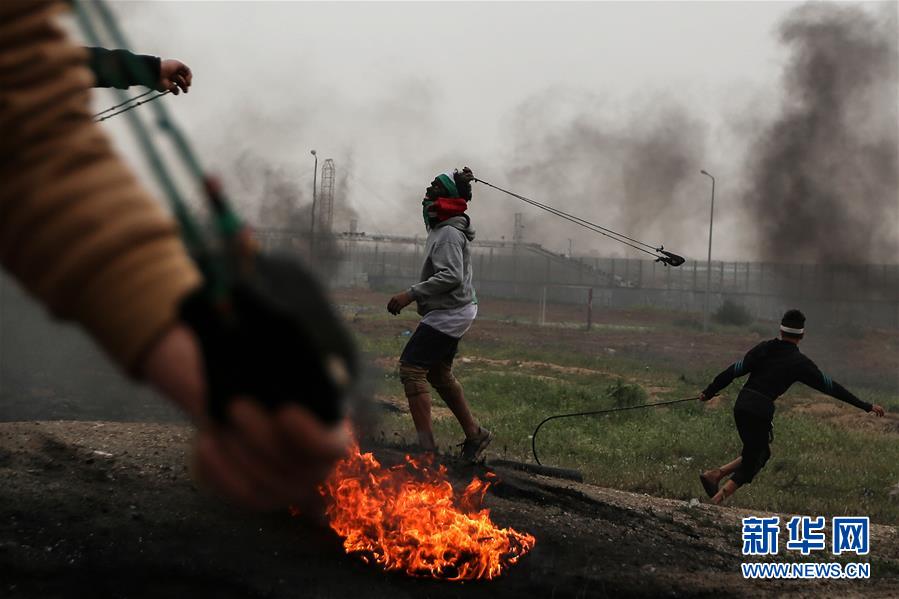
274 337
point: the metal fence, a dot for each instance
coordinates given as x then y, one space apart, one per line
864 294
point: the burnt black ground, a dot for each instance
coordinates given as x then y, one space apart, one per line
93 509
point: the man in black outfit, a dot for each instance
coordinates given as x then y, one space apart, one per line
773 366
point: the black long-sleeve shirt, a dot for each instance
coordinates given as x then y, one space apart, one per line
773 366
122 69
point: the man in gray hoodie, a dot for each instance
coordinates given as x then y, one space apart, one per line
448 305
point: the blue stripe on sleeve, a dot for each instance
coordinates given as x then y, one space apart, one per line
828 383
738 366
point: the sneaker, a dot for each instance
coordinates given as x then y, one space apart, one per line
473 449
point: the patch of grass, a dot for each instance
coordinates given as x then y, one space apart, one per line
762 329
692 324
886 399
732 313
624 395
818 467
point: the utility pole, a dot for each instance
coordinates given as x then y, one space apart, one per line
314 185
708 268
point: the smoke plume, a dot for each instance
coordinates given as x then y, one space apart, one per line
823 176
634 173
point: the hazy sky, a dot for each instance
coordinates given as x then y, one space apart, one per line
397 92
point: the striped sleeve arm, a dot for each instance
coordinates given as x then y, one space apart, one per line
724 378
77 230
122 69
741 367
814 378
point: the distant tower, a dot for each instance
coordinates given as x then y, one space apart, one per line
518 232
326 197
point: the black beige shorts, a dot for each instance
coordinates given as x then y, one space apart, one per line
428 346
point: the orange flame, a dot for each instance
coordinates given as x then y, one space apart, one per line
408 518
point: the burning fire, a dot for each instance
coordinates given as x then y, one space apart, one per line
408 518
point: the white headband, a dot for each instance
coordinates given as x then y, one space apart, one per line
791 330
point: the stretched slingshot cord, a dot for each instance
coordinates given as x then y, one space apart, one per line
598 412
99 25
99 118
658 253
252 309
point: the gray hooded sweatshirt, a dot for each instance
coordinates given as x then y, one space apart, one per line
446 274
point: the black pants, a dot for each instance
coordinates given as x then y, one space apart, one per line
755 432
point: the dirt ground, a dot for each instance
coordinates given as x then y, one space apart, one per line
108 509
94 509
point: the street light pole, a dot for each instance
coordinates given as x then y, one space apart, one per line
708 268
314 185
